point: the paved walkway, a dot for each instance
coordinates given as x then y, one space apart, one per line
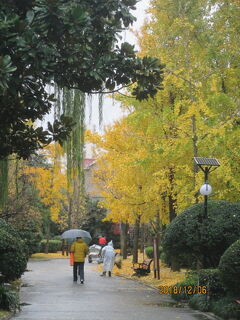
50 294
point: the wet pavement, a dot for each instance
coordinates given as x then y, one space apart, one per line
50 294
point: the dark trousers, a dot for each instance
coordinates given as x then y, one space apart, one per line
78 268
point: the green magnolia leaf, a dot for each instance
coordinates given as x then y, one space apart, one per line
79 14
30 16
6 60
11 69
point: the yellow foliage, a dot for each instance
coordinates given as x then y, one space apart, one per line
51 182
147 159
52 255
167 276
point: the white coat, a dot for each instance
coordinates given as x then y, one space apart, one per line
108 255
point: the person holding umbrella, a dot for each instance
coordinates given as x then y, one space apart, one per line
80 250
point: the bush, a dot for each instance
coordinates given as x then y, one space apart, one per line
13 252
9 299
57 238
165 259
229 267
211 279
31 240
53 245
149 251
199 302
226 308
184 290
200 238
28 226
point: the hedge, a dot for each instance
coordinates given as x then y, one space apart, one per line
28 226
185 288
53 245
226 308
149 251
211 279
199 302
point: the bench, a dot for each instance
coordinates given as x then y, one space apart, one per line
143 268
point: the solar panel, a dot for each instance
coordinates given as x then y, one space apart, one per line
206 161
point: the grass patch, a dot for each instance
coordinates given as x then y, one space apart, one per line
37 258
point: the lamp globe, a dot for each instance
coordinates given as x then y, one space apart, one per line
206 189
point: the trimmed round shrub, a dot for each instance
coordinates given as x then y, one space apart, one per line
211 279
53 246
229 267
203 239
13 252
149 251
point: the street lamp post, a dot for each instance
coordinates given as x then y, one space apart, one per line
207 165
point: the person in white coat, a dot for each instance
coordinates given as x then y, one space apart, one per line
108 255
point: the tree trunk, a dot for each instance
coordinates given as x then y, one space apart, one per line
123 239
156 257
142 238
156 245
3 182
172 209
174 264
75 203
171 199
47 235
195 154
135 240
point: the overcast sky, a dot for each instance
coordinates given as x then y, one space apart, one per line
112 110
140 14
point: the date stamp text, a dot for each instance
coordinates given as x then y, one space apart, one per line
183 289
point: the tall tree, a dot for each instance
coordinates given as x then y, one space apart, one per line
73 105
201 81
195 114
51 181
71 43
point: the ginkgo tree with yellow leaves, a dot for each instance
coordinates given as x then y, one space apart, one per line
51 184
199 104
149 155
126 177
196 40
